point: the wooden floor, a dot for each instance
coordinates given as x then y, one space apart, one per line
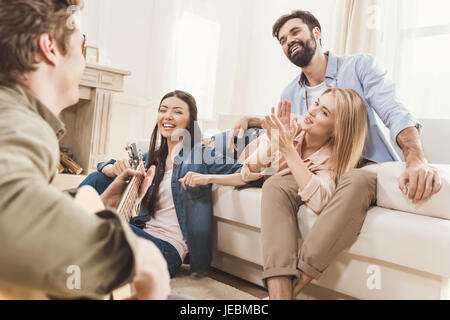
310 292
237 283
230 280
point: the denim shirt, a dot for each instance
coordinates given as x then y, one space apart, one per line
361 73
193 206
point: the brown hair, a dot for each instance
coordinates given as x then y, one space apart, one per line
158 150
307 17
350 130
22 22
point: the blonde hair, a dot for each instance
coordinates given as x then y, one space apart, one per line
350 130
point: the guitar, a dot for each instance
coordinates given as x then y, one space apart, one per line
129 205
88 198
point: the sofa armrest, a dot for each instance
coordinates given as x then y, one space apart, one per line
389 195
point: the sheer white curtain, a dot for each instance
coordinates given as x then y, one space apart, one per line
201 41
196 55
353 27
413 44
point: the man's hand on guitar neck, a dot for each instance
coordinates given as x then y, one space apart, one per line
113 194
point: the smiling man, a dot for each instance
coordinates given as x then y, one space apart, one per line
338 226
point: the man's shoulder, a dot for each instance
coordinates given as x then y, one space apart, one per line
357 61
25 124
13 105
17 112
291 87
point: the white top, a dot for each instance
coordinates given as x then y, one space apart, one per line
164 225
314 93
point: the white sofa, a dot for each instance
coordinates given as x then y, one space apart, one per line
402 252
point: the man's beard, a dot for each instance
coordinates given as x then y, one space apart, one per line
304 56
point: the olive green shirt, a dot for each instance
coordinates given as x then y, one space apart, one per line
44 234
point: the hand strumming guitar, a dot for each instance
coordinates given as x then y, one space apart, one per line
113 194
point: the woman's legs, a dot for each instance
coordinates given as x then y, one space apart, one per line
279 230
340 222
169 252
98 181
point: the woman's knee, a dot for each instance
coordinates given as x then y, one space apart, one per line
359 181
273 185
98 181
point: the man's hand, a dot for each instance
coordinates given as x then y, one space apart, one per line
194 179
420 182
238 130
113 194
152 280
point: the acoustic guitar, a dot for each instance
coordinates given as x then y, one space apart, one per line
88 198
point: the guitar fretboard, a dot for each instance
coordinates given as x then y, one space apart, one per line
129 208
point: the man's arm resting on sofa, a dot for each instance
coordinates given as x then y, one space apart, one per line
241 127
420 181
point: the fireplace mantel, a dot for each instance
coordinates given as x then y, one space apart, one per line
88 122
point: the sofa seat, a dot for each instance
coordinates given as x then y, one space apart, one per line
409 249
397 237
393 236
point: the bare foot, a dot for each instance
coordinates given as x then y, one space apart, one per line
300 283
280 288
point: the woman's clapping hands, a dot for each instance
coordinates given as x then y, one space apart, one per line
281 129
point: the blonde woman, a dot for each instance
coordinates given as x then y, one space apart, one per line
300 163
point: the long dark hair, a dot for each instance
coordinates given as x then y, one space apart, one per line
157 154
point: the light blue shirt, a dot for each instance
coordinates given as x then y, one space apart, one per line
361 73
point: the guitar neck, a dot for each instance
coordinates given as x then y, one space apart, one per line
128 207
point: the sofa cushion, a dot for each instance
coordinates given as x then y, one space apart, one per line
405 239
242 206
389 195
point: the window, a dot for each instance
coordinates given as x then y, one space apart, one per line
414 43
196 52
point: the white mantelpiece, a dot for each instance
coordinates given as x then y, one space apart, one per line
88 122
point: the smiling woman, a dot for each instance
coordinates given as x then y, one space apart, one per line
316 149
165 217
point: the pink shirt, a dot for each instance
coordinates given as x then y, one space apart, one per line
260 161
165 224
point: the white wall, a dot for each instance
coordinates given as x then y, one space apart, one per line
137 36
122 30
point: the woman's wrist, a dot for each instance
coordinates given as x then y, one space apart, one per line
289 151
209 178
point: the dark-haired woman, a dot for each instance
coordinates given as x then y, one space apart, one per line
178 221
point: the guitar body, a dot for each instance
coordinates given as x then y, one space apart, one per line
12 292
89 199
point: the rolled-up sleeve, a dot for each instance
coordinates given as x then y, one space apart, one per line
256 158
103 164
319 190
380 93
44 233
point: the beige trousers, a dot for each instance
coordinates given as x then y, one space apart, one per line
335 229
